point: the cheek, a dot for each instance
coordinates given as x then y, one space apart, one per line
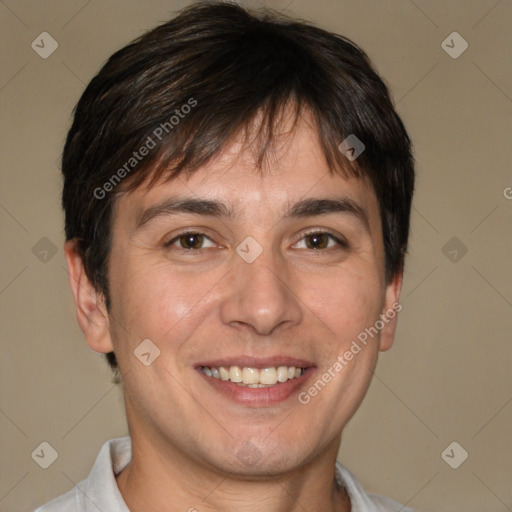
347 302
156 302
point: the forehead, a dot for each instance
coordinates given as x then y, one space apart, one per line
294 169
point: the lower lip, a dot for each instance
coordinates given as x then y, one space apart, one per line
258 397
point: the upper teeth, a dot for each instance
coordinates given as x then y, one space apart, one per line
253 376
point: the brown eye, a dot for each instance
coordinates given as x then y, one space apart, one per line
191 240
320 240
317 241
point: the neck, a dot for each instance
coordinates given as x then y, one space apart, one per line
160 478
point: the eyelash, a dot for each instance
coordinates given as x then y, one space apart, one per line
341 243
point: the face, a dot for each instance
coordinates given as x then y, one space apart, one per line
265 278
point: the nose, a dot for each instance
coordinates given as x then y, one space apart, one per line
260 295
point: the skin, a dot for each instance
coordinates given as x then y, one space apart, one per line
203 305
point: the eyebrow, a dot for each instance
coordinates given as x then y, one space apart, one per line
305 208
173 206
313 207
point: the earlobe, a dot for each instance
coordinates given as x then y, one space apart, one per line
389 316
90 306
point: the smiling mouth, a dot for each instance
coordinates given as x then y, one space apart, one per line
246 376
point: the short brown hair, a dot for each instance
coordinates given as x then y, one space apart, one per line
185 88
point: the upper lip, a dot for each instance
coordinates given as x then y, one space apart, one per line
257 362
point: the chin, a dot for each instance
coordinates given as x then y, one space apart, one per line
258 460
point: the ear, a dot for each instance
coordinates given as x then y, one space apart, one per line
390 312
91 310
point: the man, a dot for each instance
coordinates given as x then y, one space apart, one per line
237 196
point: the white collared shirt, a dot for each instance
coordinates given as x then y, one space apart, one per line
100 492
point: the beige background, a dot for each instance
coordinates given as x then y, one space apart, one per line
448 377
